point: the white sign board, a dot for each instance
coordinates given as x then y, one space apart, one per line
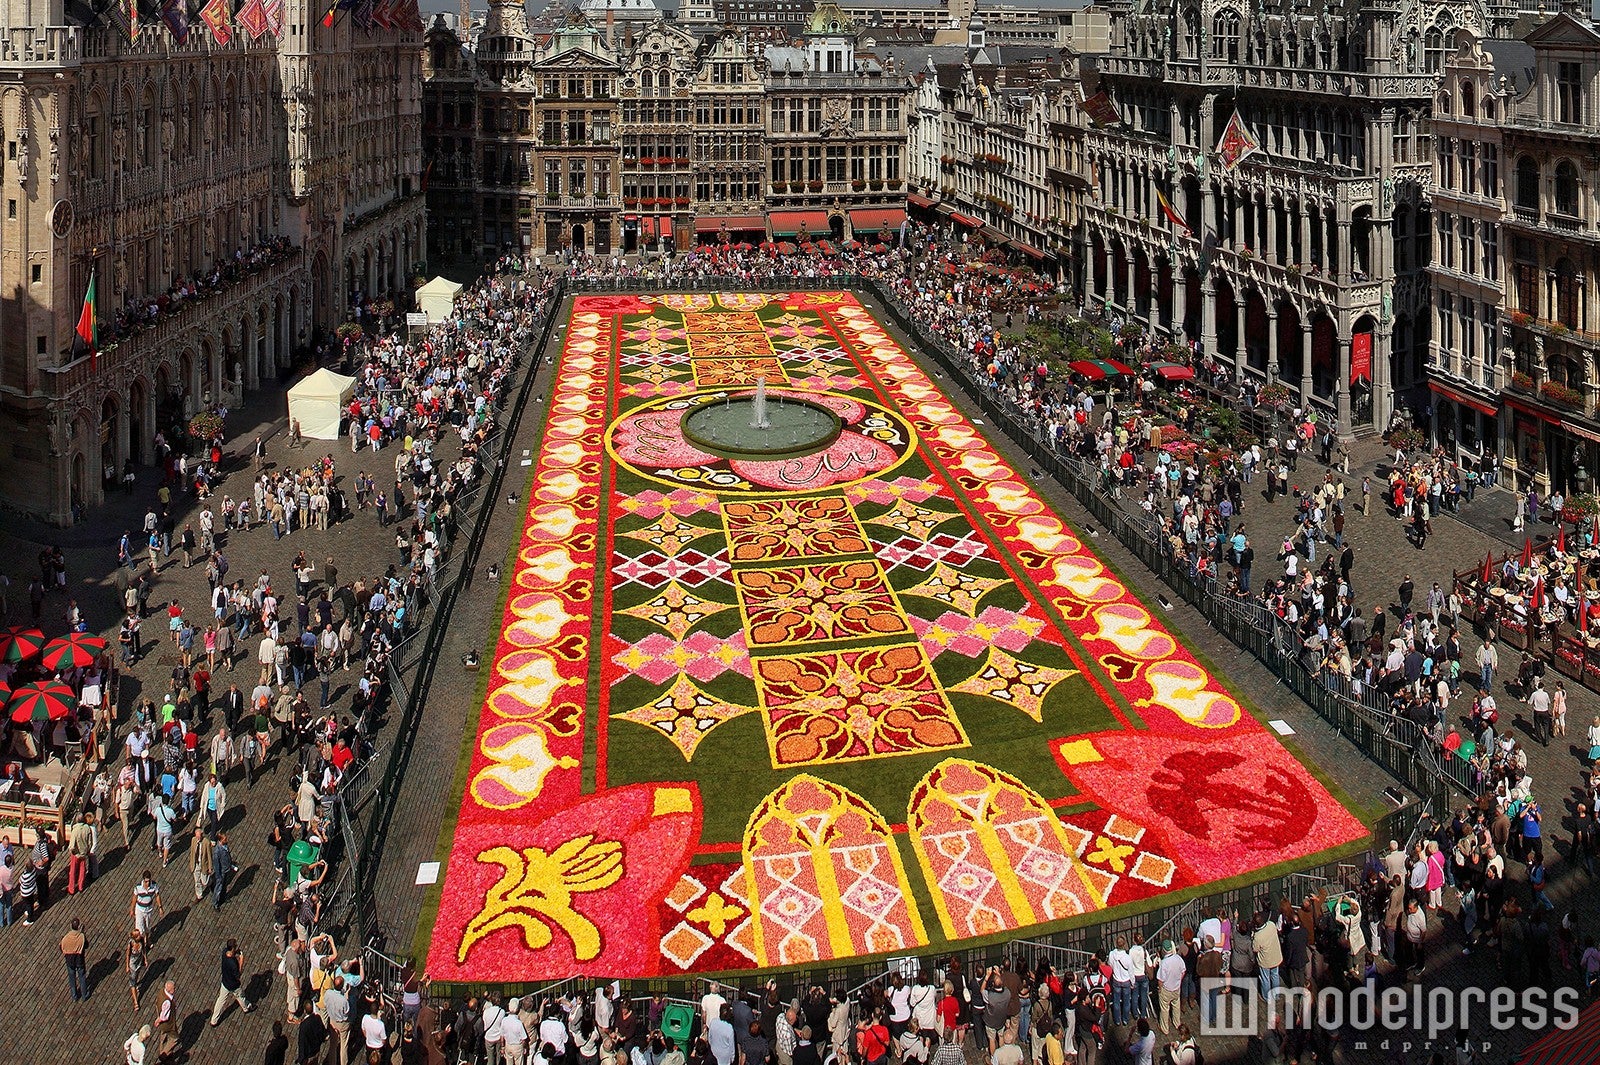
416 320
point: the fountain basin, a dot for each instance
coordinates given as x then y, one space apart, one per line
796 427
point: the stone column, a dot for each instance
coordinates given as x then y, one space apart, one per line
1341 382
1272 343
1088 273
1241 350
1208 317
1270 252
1180 300
1307 393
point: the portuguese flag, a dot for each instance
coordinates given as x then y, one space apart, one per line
84 342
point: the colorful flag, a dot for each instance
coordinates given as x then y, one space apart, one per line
1237 143
85 340
273 9
411 17
253 19
1172 216
215 15
361 13
124 15
1101 111
381 14
175 13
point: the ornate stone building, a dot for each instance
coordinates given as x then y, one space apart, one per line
1465 367
1550 250
450 146
1307 262
575 118
287 170
657 83
836 134
730 147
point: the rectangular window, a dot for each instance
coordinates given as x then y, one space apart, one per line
550 130
602 177
577 127
836 157
858 114
1569 92
891 121
552 179
600 131
577 178
813 114
814 163
875 115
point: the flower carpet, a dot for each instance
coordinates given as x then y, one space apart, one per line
748 712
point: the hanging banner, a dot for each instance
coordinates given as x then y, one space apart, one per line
1101 111
1236 144
1361 357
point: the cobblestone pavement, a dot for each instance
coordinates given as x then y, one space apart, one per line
38 1014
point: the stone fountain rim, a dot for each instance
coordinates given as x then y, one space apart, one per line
822 443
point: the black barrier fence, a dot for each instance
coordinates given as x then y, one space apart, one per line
1243 622
1403 748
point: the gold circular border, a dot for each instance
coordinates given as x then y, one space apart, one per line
695 398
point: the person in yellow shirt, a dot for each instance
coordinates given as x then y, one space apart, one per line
1054 1053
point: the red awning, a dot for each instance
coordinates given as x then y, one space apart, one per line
874 220
647 226
788 223
1028 249
918 201
1462 398
1530 408
733 223
967 220
1577 430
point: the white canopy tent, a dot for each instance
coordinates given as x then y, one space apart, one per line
318 401
437 298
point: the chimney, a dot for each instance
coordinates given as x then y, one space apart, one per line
466 19
611 27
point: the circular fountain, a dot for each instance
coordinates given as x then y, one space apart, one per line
751 425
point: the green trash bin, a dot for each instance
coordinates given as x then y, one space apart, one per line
301 854
676 1020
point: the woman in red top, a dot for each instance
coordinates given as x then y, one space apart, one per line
949 1010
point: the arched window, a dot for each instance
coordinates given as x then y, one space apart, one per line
1466 98
1225 35
1567 189
94 121
1528 183
1439 39
149 135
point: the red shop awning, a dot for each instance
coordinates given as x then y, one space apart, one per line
967 220
871 221
1028 249
789 223
918 201
1532 409
734 223
1462 398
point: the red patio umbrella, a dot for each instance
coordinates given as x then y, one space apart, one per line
1100 369
74 650
1172 371
1527 551
19 642
1488 570
41 701
1594 536
1536 599
1561 539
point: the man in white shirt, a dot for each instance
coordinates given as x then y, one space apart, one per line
1169 984
515 1035
711 1004
1142 965
374 1032
1121 982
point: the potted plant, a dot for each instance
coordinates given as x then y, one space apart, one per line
858 184
1519 318
1523 382
349 332
814 186
1558 393
630 201
894 183
207 424
681 201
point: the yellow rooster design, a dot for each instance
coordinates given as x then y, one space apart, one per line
536 890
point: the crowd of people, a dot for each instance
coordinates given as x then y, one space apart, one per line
140 312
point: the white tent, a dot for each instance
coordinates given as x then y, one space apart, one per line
437 298
318 401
